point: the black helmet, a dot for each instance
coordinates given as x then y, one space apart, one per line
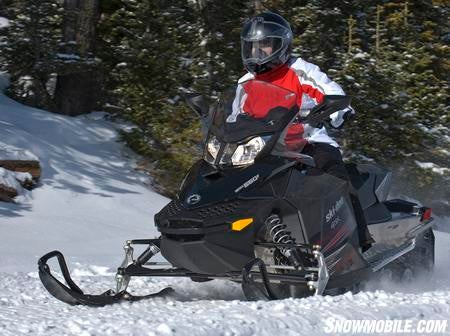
266 42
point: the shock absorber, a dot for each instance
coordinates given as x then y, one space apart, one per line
279 235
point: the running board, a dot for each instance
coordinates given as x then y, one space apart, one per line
379 261
422 227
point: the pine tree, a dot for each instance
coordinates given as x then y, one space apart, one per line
52 67
389 56
30 49
219 44
148 45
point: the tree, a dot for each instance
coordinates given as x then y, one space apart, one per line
52 67
30 46
77 81
150 48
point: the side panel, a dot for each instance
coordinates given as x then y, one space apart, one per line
326 216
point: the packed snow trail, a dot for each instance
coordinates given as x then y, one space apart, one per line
91 199
213 308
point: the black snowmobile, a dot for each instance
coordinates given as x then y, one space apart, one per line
250 212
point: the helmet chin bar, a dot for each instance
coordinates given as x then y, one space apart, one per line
259 69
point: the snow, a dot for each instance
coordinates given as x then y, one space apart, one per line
434 167
4 22
68 56
213 308
91 199
360 56
12 180
361 157
87 204
438 129
8 152
444 151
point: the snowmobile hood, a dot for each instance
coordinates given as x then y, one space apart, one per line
205 185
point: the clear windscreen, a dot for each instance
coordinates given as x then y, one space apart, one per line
252 108
255 114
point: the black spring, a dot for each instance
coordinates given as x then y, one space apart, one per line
278 231
280 235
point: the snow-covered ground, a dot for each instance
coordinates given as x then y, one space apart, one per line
90 200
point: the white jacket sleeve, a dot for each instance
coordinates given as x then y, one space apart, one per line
316 84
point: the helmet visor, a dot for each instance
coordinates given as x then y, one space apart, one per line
260 51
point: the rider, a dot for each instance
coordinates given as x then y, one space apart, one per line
266 43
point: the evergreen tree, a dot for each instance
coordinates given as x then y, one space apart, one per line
148 46
389 56
30 47
52 67
219 38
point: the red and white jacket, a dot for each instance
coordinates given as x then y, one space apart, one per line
310 84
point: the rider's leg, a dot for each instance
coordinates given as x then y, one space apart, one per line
329 159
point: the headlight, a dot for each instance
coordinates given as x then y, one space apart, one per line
213 147
246 153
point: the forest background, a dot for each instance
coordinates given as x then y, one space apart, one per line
135 59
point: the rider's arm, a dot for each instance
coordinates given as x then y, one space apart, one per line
240 98
316 84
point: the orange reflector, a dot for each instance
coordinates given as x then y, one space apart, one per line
241 224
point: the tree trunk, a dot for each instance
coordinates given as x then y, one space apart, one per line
76 89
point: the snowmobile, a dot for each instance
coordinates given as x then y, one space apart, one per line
250 212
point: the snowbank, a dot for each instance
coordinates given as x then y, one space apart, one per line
12 180
8 152
4 22
434 168
90 199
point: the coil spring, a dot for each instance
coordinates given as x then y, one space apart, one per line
278 232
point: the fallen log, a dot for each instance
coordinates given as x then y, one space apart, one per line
7 194
23 166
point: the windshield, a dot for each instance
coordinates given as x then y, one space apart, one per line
247 119
253 107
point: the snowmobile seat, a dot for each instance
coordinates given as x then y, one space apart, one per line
377 213
372 184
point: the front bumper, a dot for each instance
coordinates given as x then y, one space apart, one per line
201 240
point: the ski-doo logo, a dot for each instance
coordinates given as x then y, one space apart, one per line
246 184
334 209
193 199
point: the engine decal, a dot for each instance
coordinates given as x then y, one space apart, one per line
248 183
